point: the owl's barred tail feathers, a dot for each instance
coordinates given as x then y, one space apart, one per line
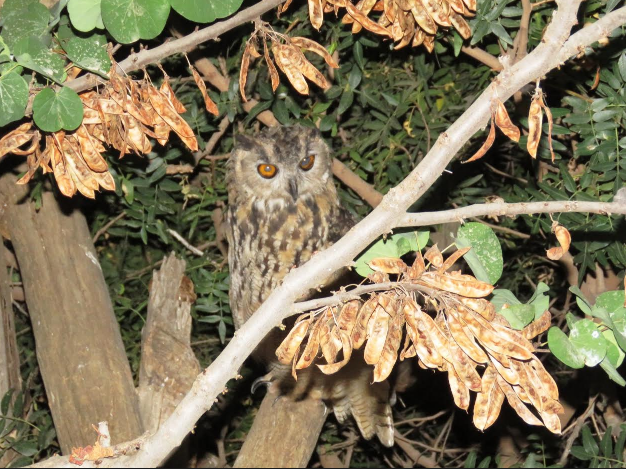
368 404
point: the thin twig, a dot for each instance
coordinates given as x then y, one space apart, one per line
213 141
106 227
185 243
575 428
483 57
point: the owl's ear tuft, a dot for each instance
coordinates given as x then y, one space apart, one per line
244 142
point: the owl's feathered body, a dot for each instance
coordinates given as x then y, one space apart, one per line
283 207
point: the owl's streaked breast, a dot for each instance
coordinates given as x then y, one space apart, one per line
267 239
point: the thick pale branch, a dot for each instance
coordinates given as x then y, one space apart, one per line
509 210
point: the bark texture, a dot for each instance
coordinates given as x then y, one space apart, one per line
284 433
168 364
79 346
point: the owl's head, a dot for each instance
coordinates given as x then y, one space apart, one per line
285 164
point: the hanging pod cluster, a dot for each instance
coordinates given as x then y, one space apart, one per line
453 328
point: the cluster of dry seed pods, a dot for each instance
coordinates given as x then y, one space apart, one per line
453 328
289 56
123 114
407 22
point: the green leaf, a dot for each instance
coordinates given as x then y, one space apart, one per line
89 53
393 246
26 448
564 349
347 98
471 460
32 53
519 316
485 257
614 352
13 97
606 445
580 453
6 402
619 444
501 297
589 442
131 20
205 11
612 372
85 15
581 301
55 111
589 341
23 19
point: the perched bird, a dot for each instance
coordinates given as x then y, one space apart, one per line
283 207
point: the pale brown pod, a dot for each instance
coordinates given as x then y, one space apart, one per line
388 265
91 150
452 258
488 401
423 19
461 286
397 30
429 43
209 104
169 114
508 374
63 178
348 316
388 358
271 67
463 365
470 4
243 73
105 180
288 347
390 9
347 353
552 422
312 345
359 332
535 120
564 238
504 123
312 46
377 336
436 12
168 92
485 146
434 256
15 139
76 164
460 392
365 21
547 381
481 306
516 403
457 6
550 127
418 333
287 62
330 342
418 39
464 338
316 13
538 327
534 393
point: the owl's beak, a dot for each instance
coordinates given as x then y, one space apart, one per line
293 189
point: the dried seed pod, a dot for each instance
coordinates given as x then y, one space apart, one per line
434 256
388 358
347 353
552 422
418 333
165 110
547 381
316 13
509 374
535 120
464 367
423 19
15 139
481 306
243 73
359 332
271 67
538 327
436 11
90 150
452 258
312 46
287 349
564 238
488 401
312 346
388 265
286 59
367 23
168 92
330 342
377 336
461 286
485 146
516 403
464 338
209 104
460 392
348 316
378 277
503 121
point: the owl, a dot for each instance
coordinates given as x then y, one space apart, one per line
282 208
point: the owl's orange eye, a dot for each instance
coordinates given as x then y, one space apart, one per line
308 162
268 171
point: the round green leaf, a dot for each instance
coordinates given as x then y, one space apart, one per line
563 349
13 97
55 111
85 15
23 19
131 20
614 353
485 257
88 53
611 300
32 53
205 11
588 341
